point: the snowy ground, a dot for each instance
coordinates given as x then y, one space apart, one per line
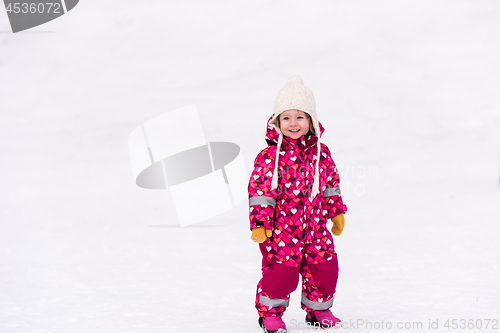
408 92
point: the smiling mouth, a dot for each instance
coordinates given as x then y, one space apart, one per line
295 130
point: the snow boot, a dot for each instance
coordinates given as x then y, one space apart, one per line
272 324
323 319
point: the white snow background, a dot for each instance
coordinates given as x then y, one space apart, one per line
408 92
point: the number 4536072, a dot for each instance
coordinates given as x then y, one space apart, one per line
471 324
23 7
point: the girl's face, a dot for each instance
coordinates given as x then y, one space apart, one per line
294 123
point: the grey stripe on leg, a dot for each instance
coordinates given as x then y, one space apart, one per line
316 305
273 302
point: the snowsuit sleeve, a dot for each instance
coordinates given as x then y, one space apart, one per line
332 198
262 201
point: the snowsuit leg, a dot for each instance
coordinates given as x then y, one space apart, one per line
273 290
319 277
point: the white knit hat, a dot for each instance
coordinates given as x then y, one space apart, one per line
294 95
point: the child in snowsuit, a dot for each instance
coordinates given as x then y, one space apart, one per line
293 192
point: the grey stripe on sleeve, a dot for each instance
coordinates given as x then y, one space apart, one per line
261 200
331 191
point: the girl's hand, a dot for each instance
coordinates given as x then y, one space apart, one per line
260 234
338 224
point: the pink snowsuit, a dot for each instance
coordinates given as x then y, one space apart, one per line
300 243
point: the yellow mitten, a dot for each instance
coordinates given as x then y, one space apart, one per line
260 234
338 224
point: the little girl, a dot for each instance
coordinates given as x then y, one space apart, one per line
293 191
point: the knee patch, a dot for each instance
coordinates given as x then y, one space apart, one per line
280 280
325 276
